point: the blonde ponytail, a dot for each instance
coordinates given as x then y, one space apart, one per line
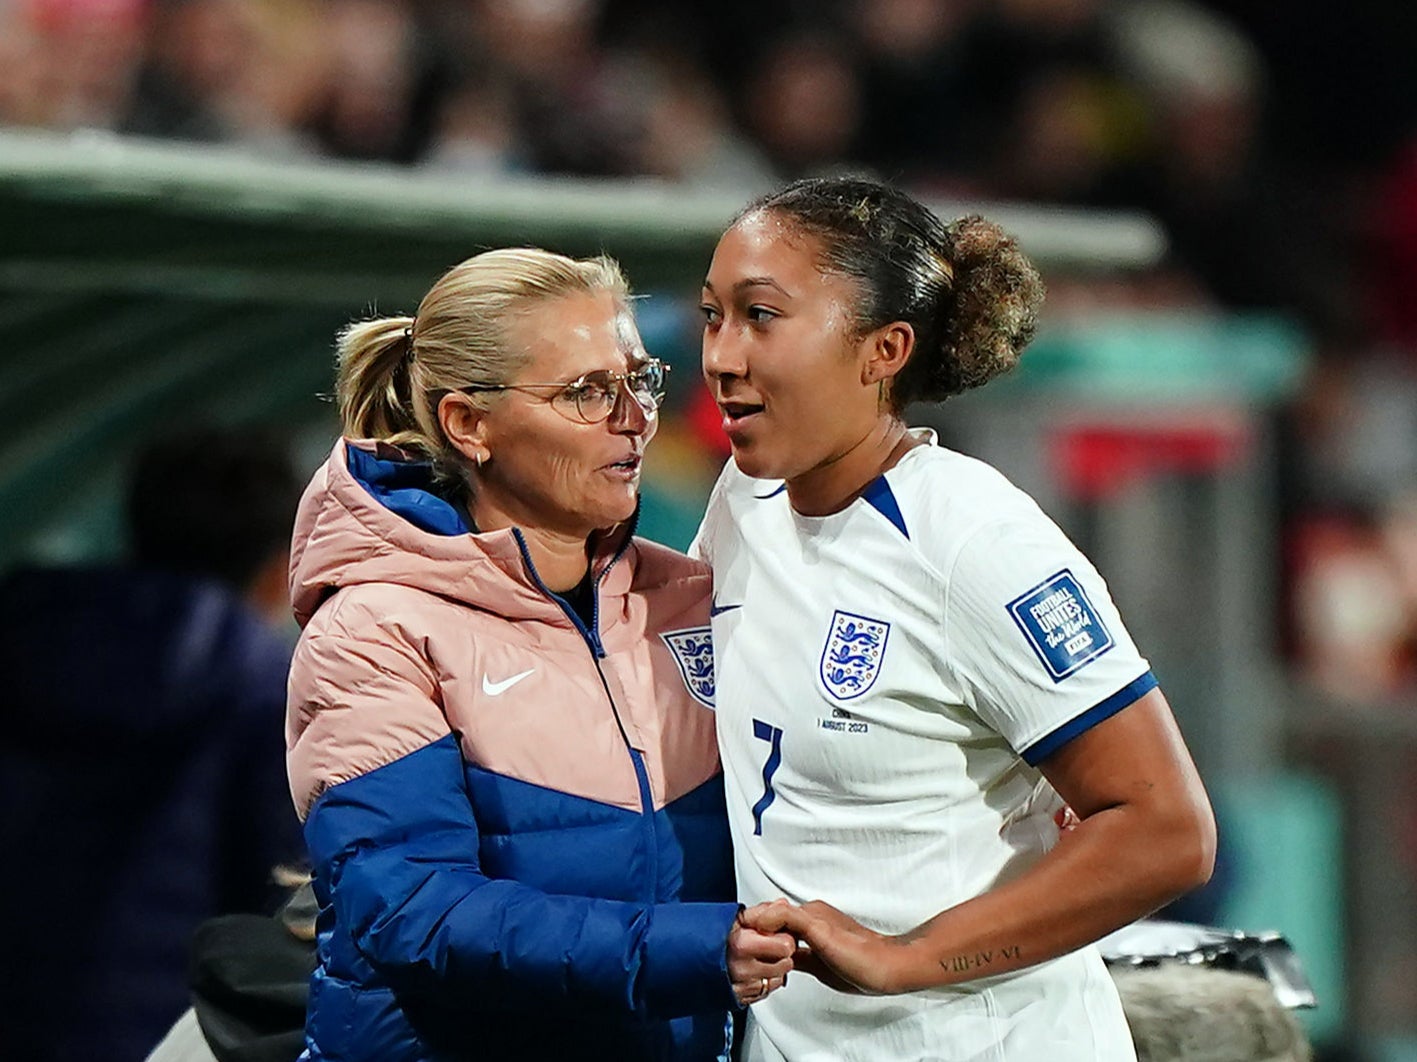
373 386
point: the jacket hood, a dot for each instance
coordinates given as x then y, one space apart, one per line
369 515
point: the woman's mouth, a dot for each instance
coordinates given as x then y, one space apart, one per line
628 469
737 415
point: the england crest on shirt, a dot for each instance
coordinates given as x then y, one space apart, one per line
852 657
693 652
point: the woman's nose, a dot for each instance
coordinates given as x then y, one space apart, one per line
722 356
630 415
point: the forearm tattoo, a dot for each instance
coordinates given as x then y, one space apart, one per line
979 960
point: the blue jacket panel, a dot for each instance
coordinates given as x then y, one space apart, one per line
562 927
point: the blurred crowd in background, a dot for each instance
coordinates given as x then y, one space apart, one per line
1277 144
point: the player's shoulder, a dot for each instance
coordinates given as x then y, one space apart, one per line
951 496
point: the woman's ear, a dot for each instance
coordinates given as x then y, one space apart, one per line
890 348
465 426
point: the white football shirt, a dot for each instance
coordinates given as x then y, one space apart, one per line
887 678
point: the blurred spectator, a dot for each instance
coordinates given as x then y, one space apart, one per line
1257 234
685 129
549 55
234 71
1203 82
1354 615
803 102
24 72
372 107
1016 40
142 763
192 84
475 131
282 87
916 59
69 64
1074 138
540 41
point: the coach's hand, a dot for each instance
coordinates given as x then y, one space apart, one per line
758 959
834 948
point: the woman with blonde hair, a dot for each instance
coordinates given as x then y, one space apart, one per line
500 731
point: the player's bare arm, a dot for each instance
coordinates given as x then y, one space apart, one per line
1146 835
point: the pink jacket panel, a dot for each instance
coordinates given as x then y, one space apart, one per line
410 635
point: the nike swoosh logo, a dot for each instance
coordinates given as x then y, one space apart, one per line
718 610
494 689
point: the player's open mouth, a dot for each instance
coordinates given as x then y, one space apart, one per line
735 413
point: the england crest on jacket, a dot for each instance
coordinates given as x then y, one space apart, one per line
852 657
693 652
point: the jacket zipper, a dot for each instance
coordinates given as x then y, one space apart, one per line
591 636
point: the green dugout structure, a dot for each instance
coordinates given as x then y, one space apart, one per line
142 283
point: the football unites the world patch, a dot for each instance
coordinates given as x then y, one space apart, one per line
693 652
1061 625
852 657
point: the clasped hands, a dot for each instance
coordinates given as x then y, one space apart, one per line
771 939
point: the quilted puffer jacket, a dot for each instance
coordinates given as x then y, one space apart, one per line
515 819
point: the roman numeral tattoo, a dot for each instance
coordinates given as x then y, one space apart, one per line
979 960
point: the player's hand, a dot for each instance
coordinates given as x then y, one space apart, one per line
834 948
758 960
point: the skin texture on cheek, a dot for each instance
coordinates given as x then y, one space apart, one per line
826 382
569 489
839 326
571 481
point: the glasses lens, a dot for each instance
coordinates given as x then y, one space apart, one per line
591 398
647 384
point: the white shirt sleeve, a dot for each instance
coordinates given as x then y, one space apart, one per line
1033 638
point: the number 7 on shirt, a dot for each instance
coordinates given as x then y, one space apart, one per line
773 736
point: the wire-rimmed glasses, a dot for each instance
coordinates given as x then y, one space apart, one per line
591 398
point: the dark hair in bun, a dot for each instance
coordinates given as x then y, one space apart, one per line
969 293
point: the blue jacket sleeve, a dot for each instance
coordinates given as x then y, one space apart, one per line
396 849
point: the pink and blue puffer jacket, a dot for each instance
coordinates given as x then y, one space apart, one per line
516 820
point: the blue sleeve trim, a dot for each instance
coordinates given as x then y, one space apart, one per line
1045 746
881 498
